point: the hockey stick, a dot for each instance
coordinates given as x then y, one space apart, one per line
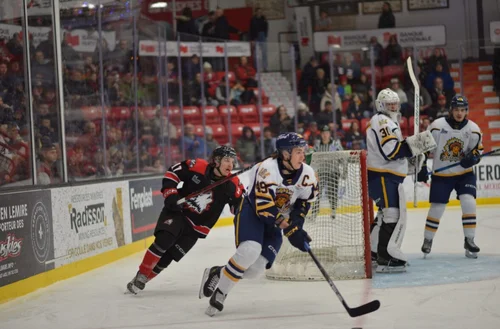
416 123
219 182
353 312
458 163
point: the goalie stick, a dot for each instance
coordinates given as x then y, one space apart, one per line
353 312
219 182
416 122
458 163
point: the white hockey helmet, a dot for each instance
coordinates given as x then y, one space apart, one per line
388 103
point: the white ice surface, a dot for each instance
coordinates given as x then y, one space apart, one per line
444 291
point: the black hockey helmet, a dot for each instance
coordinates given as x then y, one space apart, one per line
221 152
459 101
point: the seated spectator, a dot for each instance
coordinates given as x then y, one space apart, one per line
47 169
280 121
325 117
337 131
192 68
5 79
221 93
425 99
156 167
194 93
437 57
378 52
247 146
438 110
393 52
209 75
311 133
245 72
326 143
344 90
354 135
438 89
438 72
357 109
327 97
406 111
304 117
352 69
363 86
269 142
194 145
426 122
212 144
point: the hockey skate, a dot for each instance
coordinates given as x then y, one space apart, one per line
137 284
392 265
209 281
216 303
426 247
471 249
374 259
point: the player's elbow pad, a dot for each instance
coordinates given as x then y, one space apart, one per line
402 150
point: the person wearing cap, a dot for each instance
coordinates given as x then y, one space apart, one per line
47 172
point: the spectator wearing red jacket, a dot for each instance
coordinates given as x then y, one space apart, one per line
245 71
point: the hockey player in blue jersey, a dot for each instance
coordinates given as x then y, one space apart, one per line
279 197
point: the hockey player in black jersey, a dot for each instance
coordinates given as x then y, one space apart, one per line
180 226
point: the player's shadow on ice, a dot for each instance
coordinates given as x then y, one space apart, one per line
439 269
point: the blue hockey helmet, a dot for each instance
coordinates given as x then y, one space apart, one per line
289 141
459 101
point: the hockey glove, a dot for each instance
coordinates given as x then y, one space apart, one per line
171 196
471 159
297 237
423 175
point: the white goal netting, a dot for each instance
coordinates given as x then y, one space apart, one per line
338 223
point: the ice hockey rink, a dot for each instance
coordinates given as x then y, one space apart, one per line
446 290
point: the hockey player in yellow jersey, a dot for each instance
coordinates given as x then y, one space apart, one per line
458 140
388 152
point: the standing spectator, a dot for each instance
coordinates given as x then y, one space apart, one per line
386 19
186 26
318 90
378 52
393 52
258 35
306 79
191 68
280 121
324 22
209 26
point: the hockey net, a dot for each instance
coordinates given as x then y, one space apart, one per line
338 223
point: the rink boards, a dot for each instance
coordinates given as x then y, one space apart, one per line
54 234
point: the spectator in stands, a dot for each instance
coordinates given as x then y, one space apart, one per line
426 122
325 117
121 59
345 89
354 135
47 46
194 93
212 144
438 57
362 87
221 93
386 19
425 99
209 26
258 35
280 121
327 97
311 133
403 99
324 23
222 27
247 146
448 84
439 109
378 52
304 117
245 72
156 167
5 79
47 170
90 139
393 52
192 68
15 71
439 89
318 89
193 144
357 109
306 79
162 127
352 69
209 75
116 162
337 131
269 142
186 25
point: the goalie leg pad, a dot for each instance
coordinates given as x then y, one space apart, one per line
375 229
393 229
421 142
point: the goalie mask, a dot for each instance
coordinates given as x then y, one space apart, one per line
388 103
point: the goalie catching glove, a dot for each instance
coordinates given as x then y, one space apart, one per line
421 143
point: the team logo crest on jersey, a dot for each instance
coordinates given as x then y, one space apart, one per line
264 173
382 122
283 196
200 203
453 150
